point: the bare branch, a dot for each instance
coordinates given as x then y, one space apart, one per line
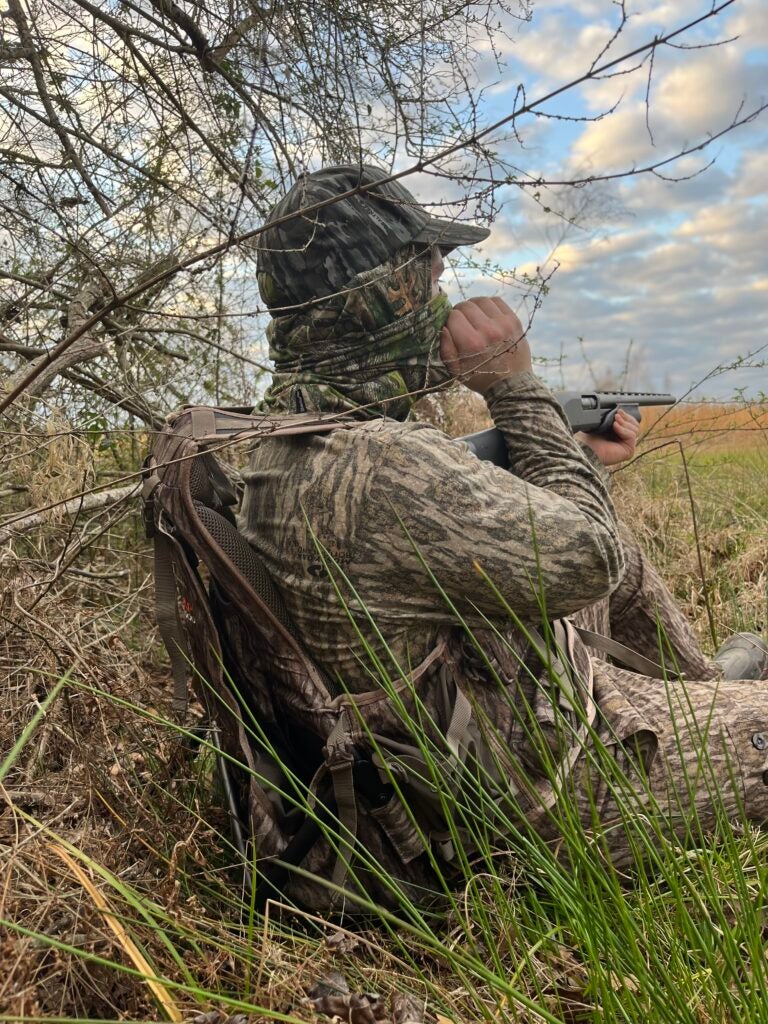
23 382
75 506
84 345
34 53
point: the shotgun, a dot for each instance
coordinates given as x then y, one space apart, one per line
590 411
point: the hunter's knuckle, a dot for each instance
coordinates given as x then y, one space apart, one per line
474 340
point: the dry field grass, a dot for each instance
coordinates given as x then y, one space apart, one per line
114 859
698 498
709 426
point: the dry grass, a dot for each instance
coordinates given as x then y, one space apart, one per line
710 426
140 806
718 485
92 777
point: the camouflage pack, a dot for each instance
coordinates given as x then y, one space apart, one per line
336 796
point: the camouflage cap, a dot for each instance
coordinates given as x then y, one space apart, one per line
316 254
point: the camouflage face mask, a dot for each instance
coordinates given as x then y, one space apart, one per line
364 350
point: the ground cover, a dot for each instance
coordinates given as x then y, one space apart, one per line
118 900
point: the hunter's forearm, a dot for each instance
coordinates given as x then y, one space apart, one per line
543 452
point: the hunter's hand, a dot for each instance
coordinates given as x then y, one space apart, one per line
613 450
484 342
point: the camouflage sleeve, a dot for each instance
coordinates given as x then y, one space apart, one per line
546 528
509 402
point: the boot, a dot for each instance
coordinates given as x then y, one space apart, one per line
743 656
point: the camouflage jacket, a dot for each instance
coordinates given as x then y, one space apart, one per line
401 514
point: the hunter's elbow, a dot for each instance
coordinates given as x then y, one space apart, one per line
607 566
591 573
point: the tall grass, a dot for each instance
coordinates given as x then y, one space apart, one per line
725 486
710 426
520 929
123 895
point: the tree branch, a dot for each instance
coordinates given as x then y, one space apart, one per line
75 506
470 141
82 346
28 43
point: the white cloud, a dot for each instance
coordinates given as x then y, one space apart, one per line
547 51
688 103
585 8
692 91
685 281
750 23
754 175
679 268
618 141
705 92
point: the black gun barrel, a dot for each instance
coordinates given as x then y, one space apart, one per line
590 411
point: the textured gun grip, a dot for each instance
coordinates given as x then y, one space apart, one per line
606 424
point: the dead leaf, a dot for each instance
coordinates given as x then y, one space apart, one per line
407 1009
332 984
353 1009
619 982
342 942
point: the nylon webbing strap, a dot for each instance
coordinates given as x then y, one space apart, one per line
549 656
340 760
625 655
346 811
457 733
210 425
167 621
225 421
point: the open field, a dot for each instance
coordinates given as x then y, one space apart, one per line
673 493
709 426
117 896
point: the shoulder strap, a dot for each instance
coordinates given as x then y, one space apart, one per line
166 617
183 450
619 652
206 425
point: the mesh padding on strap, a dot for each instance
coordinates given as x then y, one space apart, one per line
199 482
241 554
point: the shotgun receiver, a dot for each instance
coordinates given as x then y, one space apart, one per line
590 411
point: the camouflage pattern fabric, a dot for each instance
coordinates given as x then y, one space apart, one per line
546 533
365 350
368 495
688 756
303 256
362 489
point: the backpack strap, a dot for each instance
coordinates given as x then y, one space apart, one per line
166 617
166 612
619 652
340 760
206 425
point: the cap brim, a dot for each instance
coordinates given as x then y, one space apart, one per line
449 234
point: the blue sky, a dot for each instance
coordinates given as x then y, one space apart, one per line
677 269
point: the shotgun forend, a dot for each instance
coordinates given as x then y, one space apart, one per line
590 411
